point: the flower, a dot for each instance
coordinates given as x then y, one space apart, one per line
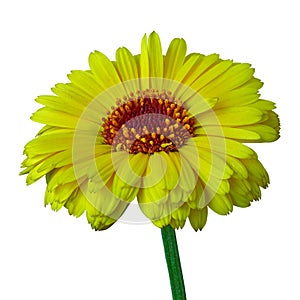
165 129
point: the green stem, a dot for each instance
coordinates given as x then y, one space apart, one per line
173 263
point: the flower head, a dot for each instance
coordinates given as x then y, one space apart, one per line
165 129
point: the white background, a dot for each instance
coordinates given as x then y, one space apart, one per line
251 254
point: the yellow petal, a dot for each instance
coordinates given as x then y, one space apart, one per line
264 105
144 60
49 143
151 196
58 196
58 160
86 81
255 190
233 116
162 222
97 220
153 203
211 74
174 58
67 174
171 175
238 97
76 203
197 199
216 165
257 171
127 68
34 159
132 168
240 200
240 186
240 171
156 66
224 146
234 77
55 118
180 215
188 72
34 174
126 64
240 133
207 173
198 218
122 190
206 62
187 178
272 121
221 204
155 173
265 133
197 105
72 95
100 172
194 66
106 200
104 70
58 103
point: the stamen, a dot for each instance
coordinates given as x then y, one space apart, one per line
148 122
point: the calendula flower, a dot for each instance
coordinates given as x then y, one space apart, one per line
168 130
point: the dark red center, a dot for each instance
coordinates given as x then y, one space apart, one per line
148 123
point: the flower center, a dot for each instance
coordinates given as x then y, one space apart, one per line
148 122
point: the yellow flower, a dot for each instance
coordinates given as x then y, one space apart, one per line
165 129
